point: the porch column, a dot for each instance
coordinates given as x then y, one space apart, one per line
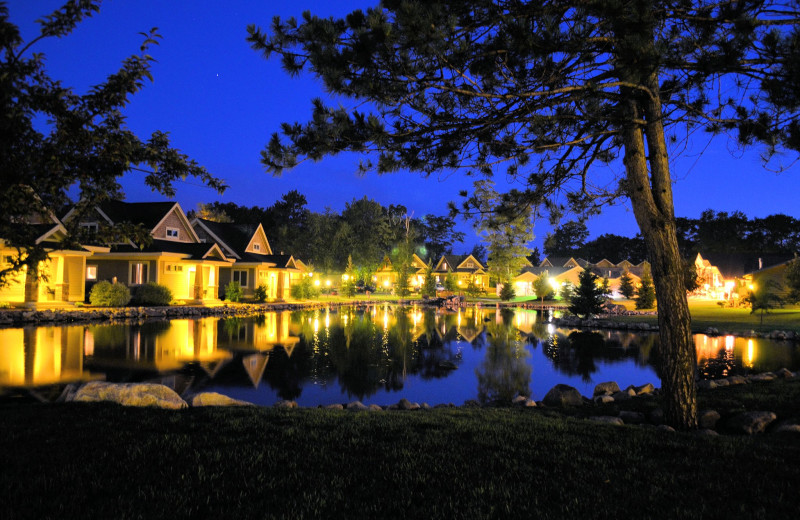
198 282
31 286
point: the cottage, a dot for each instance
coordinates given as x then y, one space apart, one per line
464 268
60 280
256 265
175 256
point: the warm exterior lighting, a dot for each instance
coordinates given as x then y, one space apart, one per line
752 287
328 283
345 277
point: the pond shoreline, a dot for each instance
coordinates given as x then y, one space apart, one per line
17 317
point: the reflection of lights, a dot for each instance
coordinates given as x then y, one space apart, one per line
316 325
344 319
551 329
729 340
458 318
385 319
750 353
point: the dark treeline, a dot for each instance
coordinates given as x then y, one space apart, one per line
365 230
713 233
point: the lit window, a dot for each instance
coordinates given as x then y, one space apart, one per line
172 232
138 273
91 272
257 247
240 276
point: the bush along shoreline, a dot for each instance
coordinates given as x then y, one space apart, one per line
635 405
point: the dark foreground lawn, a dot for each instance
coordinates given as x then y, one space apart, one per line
106 461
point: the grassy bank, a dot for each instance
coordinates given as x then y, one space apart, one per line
709 314
105 461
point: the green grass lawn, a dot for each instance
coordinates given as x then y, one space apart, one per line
709 314
106 461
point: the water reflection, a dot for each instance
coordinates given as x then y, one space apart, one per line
377 353
504 372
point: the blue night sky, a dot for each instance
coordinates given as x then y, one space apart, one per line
220 101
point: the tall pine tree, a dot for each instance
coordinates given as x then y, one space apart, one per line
547 91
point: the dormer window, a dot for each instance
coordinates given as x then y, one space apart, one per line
172 232
89 227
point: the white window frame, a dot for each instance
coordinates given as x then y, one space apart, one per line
91 227
143 276
176 231
236 276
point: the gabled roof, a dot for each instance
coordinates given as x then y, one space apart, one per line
457 264
562 261
281 261
235 239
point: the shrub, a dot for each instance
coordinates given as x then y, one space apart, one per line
152 293
507 291
233 292
260 293
107 294
304 290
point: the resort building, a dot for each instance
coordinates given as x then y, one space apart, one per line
464 268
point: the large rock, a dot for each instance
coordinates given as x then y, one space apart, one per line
707 419
563 395
607 388
356 406
646 388
749 423
131 394
762 378
215 399
736 380
631 417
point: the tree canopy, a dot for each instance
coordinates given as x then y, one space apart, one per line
55 142
546 92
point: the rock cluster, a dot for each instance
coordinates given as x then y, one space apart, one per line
561 396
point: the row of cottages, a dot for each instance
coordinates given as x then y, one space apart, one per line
195 260
463 268
255 263
175 257
561 271
61 278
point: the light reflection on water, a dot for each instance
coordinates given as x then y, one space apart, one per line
376 354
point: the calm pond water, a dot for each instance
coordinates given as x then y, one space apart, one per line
377 354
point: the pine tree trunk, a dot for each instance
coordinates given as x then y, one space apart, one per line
650 190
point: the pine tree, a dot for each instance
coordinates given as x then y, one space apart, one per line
349 279
626 286
646 294
552 92
588 297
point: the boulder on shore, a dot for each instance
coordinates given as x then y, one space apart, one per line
215 399
607 388
563 395
131 394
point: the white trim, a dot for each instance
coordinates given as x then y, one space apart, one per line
182 217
